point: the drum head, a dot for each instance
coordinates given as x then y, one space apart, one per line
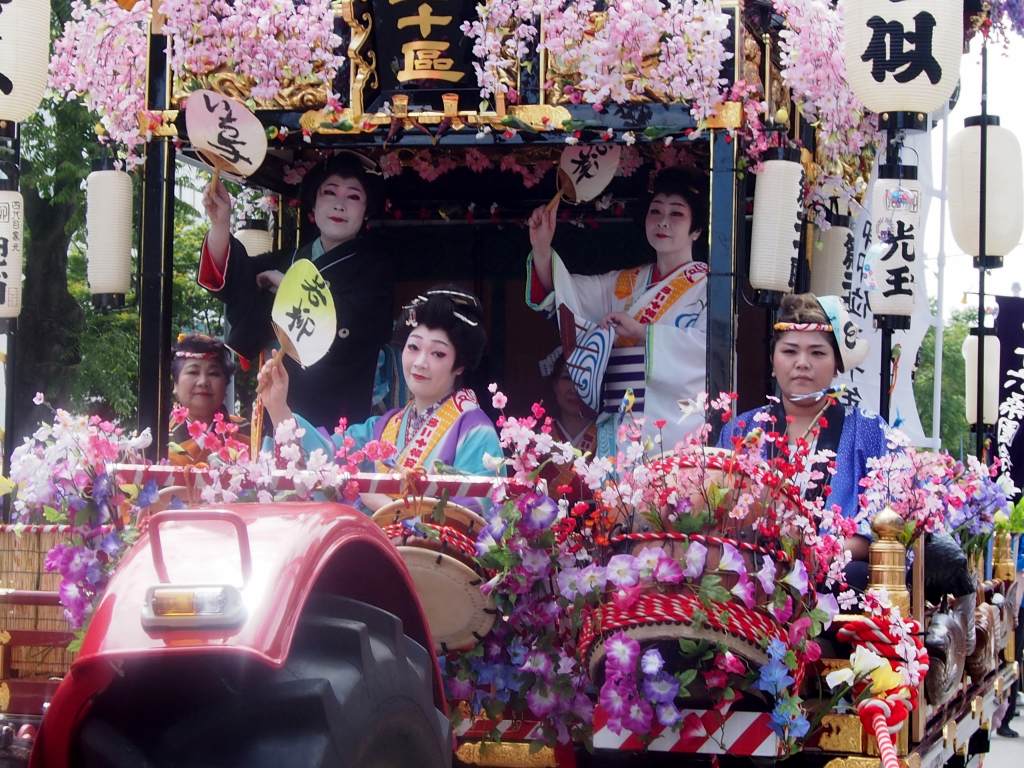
458 613
455 515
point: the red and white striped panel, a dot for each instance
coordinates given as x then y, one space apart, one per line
742 734
470 486
510 730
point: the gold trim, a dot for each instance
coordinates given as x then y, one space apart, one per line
159 122
729 115
540 117
841 733
505 755
291 96
852 762
5 697
328 124
363 65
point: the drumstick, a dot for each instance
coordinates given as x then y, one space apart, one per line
275 360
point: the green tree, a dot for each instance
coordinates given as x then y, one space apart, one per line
953 426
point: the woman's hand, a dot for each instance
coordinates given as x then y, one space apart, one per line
624 324
272 387
542 223
270 279
217 203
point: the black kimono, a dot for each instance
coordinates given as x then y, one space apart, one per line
360 278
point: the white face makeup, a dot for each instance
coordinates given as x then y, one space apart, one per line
668 223
428 363
340 210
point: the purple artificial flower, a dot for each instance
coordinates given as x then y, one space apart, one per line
668 715
539 664
536 562
638 717
614 697
568 581
827 603
766 576
732 560
459 690
622 653
696 556
797 577
622 571
541 700
782 613
661 688
593 578
744 590
668 570
538 513
647 560
651 663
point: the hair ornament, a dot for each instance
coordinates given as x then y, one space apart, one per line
820 327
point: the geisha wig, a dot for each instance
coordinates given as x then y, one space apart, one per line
454 311
347 165
198 346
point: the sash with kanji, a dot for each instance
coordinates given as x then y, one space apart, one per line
420 446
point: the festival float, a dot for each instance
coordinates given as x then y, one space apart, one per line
694 602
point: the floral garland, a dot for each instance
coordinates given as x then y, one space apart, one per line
612 54
61 479
811 52
269 41
100 59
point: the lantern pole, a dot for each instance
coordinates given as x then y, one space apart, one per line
980 261
156 256
9 326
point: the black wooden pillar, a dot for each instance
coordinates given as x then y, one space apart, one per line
721 278
156 261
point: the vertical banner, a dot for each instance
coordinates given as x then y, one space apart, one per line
1009 431
863 382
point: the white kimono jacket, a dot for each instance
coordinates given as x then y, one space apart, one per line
667 366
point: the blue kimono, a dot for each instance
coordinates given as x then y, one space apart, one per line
854 436
457 434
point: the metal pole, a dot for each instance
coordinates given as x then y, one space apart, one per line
10 328
940 320
156 261
980 261
885 375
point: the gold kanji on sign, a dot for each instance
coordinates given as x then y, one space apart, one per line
424 61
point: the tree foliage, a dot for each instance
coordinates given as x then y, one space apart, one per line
953 429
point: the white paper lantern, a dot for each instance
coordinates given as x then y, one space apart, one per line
24 56
903 56
1004 206
991 383
12 224
254 236
832 267
896 224
775 240
108 222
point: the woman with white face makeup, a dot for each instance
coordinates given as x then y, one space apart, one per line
442 339
339 195
654 317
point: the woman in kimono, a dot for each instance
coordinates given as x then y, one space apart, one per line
442 339
641 329
814 340
201 368
339 196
